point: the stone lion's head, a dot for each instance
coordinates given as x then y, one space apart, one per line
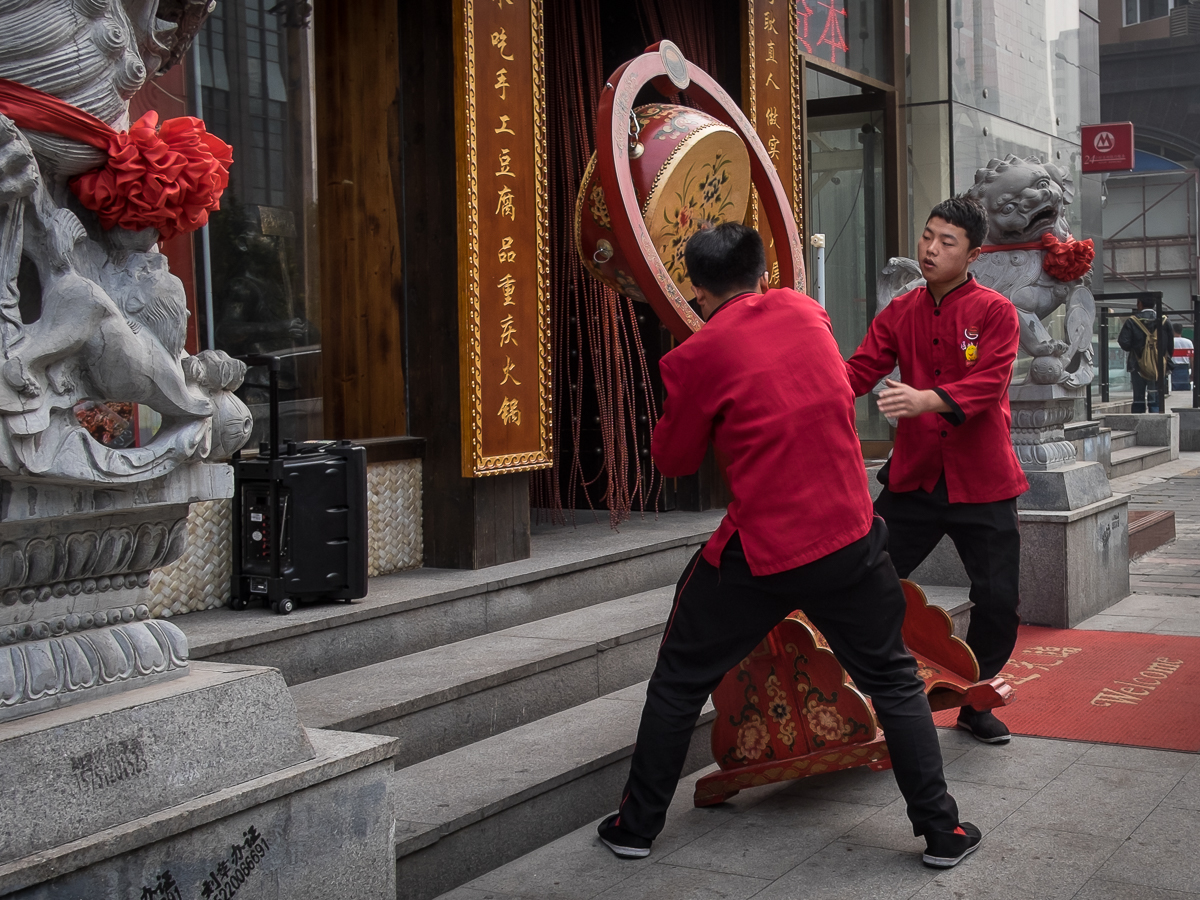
1024 199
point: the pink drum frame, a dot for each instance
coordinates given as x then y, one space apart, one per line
612 130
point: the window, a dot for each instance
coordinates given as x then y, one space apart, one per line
258 254
1145 10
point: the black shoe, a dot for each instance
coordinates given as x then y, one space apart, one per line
983 726
946 849
625 844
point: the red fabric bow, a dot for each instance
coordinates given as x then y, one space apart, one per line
1067 260
167 178
1064 260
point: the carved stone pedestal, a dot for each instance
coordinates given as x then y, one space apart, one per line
75 565
1074 563
203 786
1074 531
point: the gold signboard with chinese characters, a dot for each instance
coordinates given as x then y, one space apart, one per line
504 312
771 87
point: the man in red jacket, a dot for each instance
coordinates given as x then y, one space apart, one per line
765 382
953 470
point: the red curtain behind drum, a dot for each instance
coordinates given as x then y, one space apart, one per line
597 346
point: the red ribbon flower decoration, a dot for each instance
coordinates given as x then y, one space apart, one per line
167 177
1067 260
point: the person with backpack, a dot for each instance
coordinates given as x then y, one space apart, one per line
1146 353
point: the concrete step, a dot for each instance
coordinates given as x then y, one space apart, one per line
569 568
1135 459
469 811
446 697
1113 407
1123 440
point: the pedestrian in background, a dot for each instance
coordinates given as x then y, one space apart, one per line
1181 370
1147 366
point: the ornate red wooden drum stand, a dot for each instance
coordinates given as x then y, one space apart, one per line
788 710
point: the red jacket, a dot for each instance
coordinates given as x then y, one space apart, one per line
764 381
964 349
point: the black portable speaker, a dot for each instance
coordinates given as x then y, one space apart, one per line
300 517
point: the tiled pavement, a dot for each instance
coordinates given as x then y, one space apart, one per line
1165 583
1061 819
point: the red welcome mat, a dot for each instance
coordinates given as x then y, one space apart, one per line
1110 687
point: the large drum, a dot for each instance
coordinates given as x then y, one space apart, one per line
689 171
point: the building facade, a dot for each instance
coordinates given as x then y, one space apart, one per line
340 246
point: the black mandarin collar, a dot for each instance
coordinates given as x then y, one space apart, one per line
950 294
731 300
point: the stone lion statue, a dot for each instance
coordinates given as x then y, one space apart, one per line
88 307
1031 258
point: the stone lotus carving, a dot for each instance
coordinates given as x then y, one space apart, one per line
89 313
64 657
58 565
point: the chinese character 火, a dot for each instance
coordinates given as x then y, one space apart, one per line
502 83
507 254
508 331
504 206
504 129
510 413
772 116
508 376
500 40
505 160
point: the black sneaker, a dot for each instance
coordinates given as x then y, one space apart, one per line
983 726
625 844
946 849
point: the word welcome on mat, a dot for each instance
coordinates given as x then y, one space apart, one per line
1109 687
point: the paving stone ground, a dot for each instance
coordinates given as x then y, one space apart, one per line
1061 819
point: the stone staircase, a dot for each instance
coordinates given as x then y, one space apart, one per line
515 691
1128 457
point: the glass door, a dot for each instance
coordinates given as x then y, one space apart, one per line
846 203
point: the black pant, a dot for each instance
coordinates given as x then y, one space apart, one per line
1140 387
719 616
988 541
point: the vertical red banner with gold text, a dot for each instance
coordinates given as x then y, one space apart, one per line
771 92
504 316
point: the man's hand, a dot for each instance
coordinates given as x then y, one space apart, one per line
900 401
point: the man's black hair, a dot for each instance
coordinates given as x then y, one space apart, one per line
725 258
1177 328
967 214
